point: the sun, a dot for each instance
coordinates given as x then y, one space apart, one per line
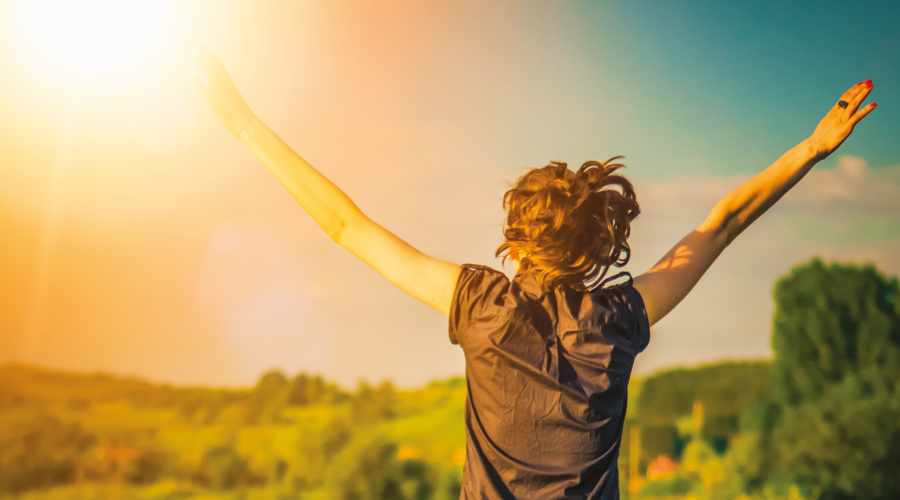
92 36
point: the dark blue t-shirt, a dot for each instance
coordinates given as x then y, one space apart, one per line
547 377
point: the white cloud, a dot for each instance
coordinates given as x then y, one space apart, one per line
852 180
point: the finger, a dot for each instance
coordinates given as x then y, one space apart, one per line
844 112
211 60
848 96
852 91
215 71
860 96
210 73
862 114
203 66
202 89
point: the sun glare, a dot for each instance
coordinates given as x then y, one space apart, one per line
97 36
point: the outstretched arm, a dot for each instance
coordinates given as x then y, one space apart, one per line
670 280
425 278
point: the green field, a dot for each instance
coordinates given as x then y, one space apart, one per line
97 436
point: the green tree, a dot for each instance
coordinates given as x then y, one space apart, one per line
368 469
268 398
148 466
371 405
669 395
39 452
318 441
308 390
223 468
836 338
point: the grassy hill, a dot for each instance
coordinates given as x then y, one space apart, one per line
99 436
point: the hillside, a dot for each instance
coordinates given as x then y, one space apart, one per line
296 437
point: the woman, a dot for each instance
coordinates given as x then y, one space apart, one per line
548 354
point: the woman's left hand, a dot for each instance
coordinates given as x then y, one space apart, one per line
222 94
838 124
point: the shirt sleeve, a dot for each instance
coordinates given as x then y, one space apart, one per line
476 283
635 316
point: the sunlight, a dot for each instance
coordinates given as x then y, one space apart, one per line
97 36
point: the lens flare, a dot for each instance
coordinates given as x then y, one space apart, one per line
98 36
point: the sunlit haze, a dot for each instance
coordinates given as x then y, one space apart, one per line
94 36
140 238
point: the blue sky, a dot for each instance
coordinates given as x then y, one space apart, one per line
747 79
736 82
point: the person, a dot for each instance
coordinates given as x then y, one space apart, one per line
550 352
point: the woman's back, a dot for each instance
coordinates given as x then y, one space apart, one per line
547 376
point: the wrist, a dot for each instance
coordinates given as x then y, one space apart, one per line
814 149
249 129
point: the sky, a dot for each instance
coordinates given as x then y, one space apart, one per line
140 238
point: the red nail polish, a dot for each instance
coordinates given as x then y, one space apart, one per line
874 104
869 83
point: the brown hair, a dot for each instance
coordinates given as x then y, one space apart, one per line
569 227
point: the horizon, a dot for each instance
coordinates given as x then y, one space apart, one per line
350 389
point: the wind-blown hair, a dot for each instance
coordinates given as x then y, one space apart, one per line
568 227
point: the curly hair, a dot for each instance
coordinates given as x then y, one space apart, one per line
568 227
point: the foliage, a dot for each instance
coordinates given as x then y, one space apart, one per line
367 470
832 323
669 486
317 443
837 370
371 405
668 395
223 467
288 435
701 473
40 452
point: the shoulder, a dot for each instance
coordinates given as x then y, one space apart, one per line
477 283
631 312
477 289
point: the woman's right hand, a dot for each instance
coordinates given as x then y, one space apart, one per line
838 124
222 94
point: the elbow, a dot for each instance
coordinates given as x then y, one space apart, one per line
335 230
730 229
342 226
722 226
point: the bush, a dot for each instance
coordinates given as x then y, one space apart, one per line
40 452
